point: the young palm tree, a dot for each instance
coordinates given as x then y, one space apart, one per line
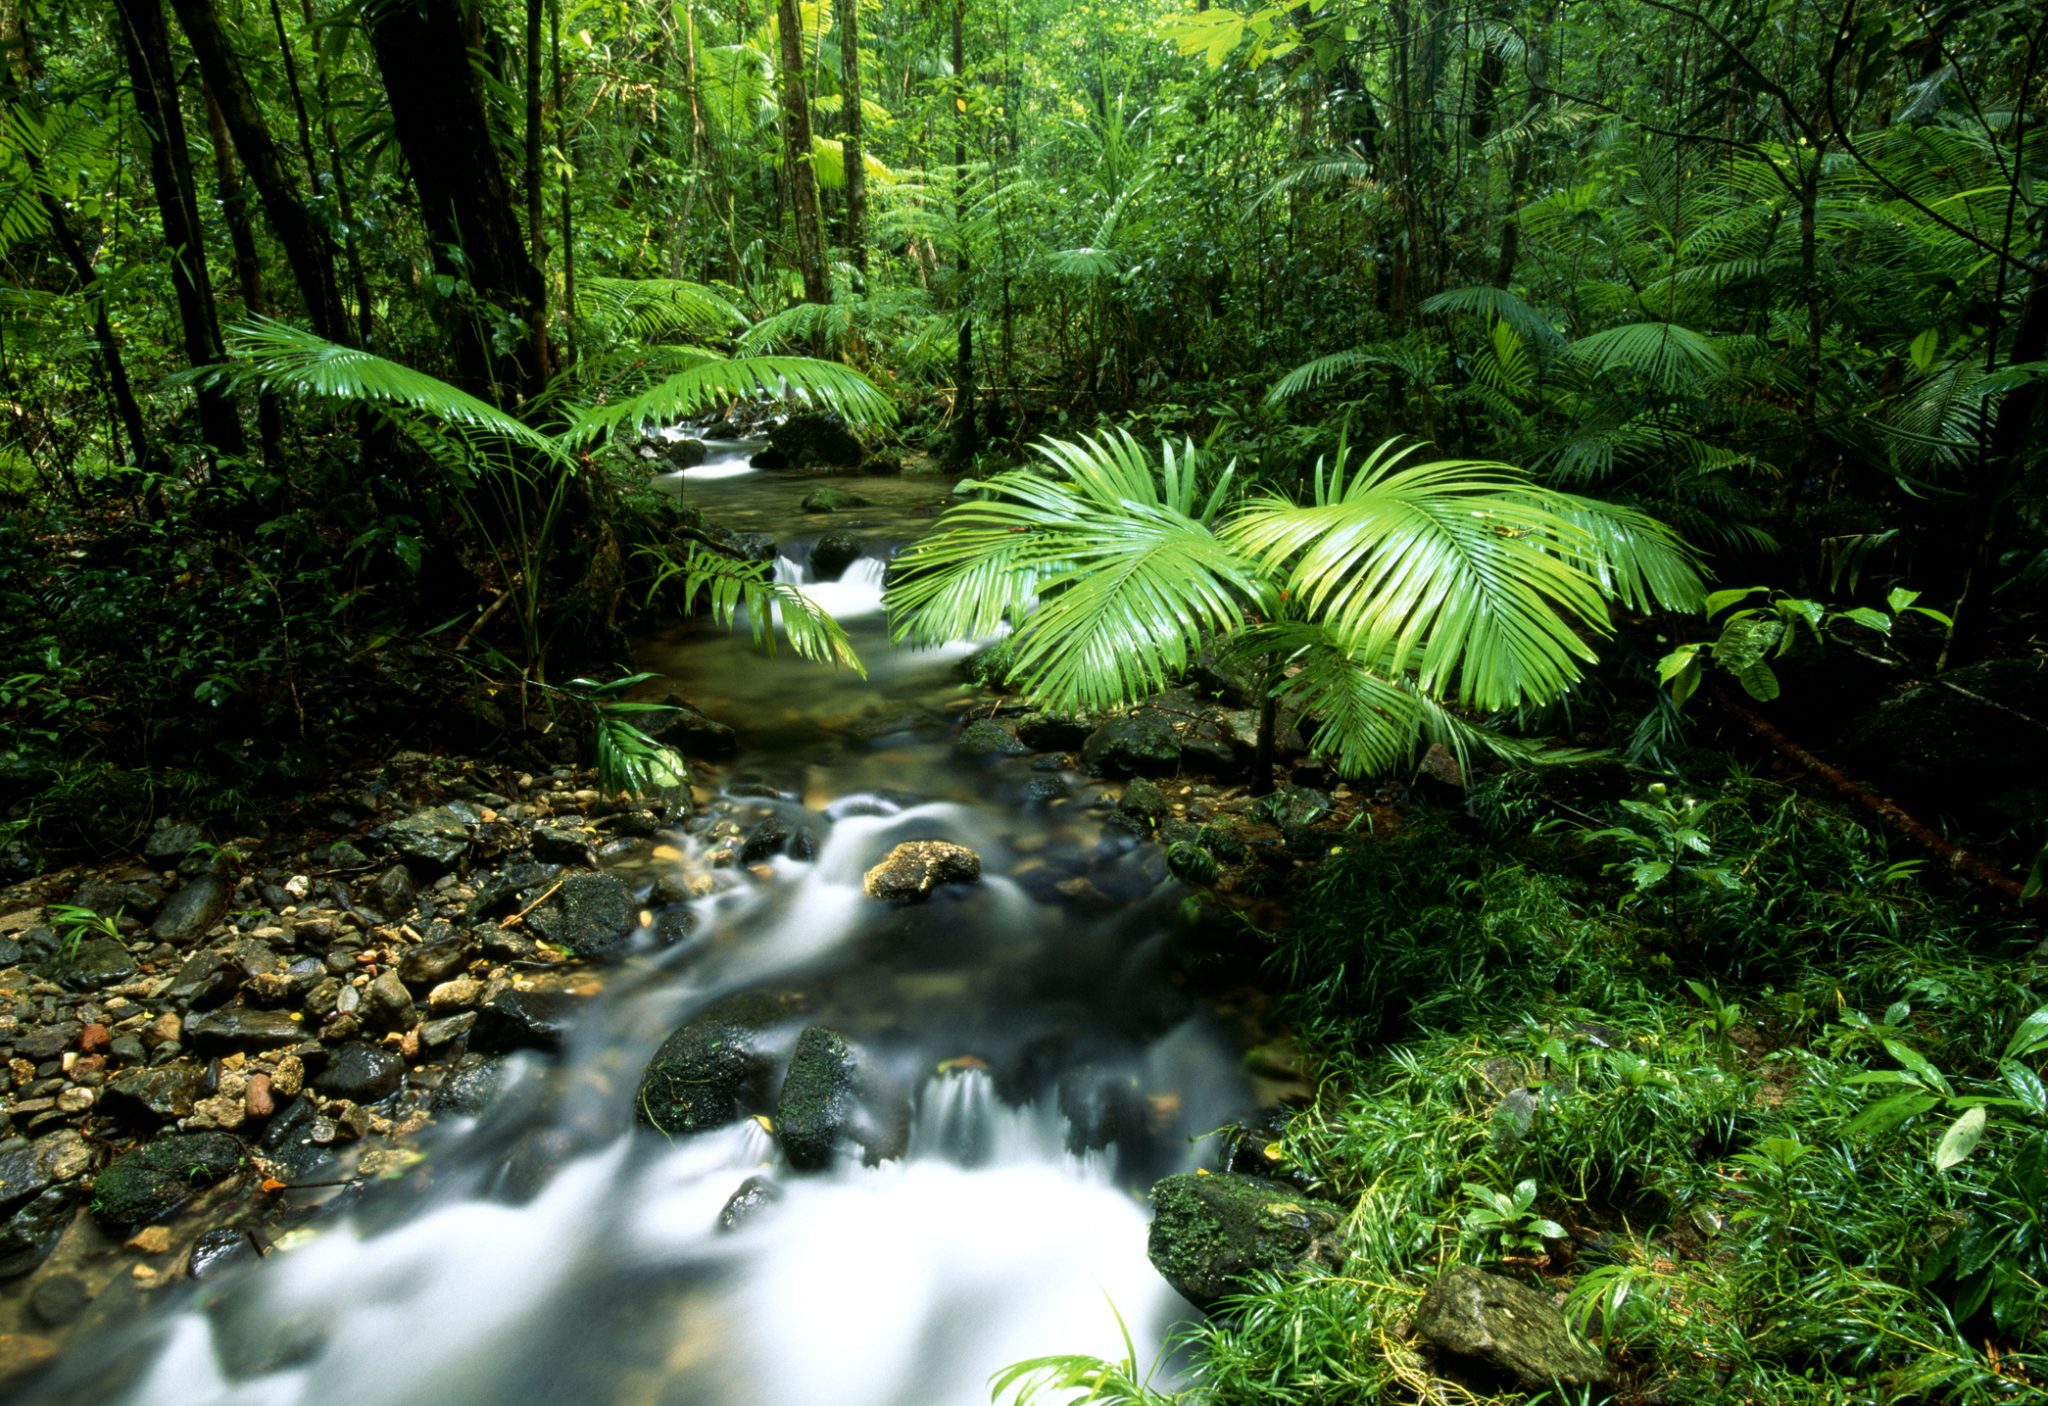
1398 590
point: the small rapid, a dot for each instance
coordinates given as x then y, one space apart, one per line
547 1250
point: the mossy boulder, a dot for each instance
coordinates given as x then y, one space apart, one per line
593 916
828 499
835 552
913 869
809 440
714 1069
985 737
989 666
1209 1232
818 1100
1508 1329
1140 745
141 1187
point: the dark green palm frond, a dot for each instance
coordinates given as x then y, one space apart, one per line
1346 167
1086 264
825 325
1466 572
1499 305
277 356
1670 357
1108 570
1636 559
734 587
650 309
1322 371
712 383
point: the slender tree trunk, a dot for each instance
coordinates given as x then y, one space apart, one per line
846 14
966 430
423 54
305 249
568 234
234 203
146 42
536 221
351 248
796 146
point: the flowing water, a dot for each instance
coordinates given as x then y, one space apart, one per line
557 1254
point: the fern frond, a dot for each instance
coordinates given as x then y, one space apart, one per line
712 383
650 309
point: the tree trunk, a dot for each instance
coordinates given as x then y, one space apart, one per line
359 284
846 14
966 432
423 54
234 203
796 147
152 80
305 249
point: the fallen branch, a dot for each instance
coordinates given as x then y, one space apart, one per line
1883 807
517 918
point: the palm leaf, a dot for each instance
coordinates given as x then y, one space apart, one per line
276 356
732 588
653 308
715 382
1324 369
1670 357
1467 573
1108 569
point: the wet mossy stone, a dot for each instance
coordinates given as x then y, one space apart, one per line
714 1069
914 868
1143 744
1055 732
818 1099
141 1187
811 440
592 916
988 666
1508 1328
829 499
986 738
1143 800
432 841
1209 1232
834 552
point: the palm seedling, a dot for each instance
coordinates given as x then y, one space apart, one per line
1397 592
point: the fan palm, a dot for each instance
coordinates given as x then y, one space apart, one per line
1399 588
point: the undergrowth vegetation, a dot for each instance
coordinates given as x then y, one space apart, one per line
1776 1135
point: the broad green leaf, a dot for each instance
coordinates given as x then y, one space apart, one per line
1916 1064
1960 1140
1923 349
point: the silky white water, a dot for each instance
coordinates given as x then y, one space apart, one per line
556 1253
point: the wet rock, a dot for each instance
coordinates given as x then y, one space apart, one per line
362 1074
1509 1328
988 666
593 916
1046 786
674 453
986 738
387 1005
394 892
111 899
191 911
159 1095
1140 745
237 1027
742 546
828 499
206 980
756 1194
1054 732
875 465
1296 805
523 1020
343 855
22 1355
1143 801
169 841
810 440
503 891
913 869
1227 677
777 834
690 731
217 1251
58 1300
558 845
434 963
432 841
10 952
148 1184
712 1070
834 552
27 1172
818 1099
29 1233
436 1033
470 1086
1208 1232
456 995
94 963
1097 1103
